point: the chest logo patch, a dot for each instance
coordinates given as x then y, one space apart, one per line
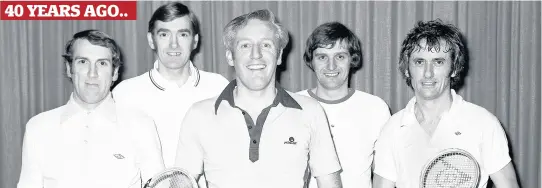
118 156
291 140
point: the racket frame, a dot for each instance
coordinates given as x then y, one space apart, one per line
447 151
169 171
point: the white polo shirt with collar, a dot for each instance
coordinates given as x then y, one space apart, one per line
108 147
272 150
355 121
403 147
166 102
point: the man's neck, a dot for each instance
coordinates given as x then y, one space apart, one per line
254 100
436 107
87 106
179 76
331 94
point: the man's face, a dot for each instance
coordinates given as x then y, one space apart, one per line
430 71
332 65
91 72
255 55
173 42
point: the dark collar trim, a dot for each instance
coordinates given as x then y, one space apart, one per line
154 82
196 83
282 97
351 92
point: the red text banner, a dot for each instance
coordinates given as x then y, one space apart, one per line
68 10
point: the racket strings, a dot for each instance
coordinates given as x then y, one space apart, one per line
451 170
173 179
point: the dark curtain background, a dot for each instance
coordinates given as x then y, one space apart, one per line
503 38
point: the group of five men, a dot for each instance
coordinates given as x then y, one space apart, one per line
251 132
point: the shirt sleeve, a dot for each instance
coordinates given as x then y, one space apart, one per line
384 161
323 158
31 175
494 147
148 148
189 152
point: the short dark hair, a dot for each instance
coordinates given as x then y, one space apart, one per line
230 30
329 33
95 37
171 11
433 32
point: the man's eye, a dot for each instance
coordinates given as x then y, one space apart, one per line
81 61
245 45
185 35
267 45
340 57
418 62
103 63
162 34
321 57
439 62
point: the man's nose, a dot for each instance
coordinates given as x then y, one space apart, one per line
93 70
332 65
256 52
428 70
173 42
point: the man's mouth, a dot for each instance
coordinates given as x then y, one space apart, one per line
334 74
173 53
256 67
429 83
92 85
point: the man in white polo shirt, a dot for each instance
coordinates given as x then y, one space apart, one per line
432 59
174 84
332 51
255 133
91 141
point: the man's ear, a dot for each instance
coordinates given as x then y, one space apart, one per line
279 60
150 40
196 41
116 74
229 57
68 70
407 74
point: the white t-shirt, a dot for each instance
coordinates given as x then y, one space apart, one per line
355 122
166 102
69 147
404 147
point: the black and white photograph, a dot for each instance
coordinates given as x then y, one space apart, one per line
275 94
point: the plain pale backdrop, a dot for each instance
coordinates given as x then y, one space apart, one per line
503 39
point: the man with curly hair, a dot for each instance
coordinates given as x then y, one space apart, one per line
432 61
